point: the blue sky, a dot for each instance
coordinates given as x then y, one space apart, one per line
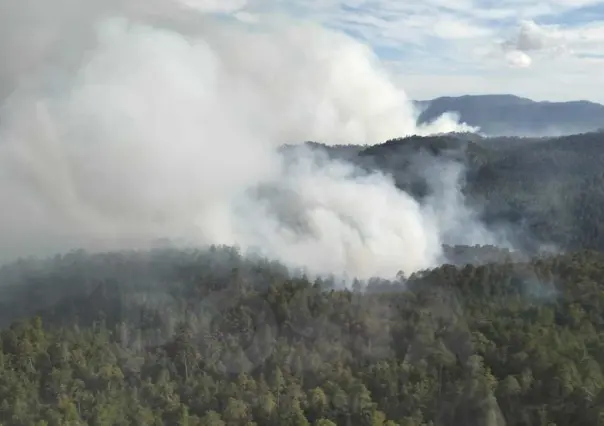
544 49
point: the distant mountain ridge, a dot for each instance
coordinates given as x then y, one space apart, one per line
509 115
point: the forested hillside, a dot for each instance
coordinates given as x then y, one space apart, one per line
545 190
212 337
215 339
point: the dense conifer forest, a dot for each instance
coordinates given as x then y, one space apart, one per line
213 337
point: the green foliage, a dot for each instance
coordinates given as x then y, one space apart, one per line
213 338
515 343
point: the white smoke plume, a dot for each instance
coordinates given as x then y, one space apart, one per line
124 125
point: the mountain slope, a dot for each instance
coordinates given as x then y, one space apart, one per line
499 115
546 190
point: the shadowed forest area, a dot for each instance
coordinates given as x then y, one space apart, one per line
212 337
545 190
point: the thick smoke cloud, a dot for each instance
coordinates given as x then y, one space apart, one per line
124 125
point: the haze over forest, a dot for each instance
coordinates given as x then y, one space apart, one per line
209 223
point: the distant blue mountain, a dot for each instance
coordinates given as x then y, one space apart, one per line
509 115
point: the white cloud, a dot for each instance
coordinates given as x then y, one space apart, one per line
456 29
213 6
575 3
540 42
518 59
472 41
532 37
467 38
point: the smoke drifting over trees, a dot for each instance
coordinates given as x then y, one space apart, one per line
132 125
129 123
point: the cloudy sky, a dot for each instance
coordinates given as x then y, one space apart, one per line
548 49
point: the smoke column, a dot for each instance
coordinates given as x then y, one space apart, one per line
121 125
